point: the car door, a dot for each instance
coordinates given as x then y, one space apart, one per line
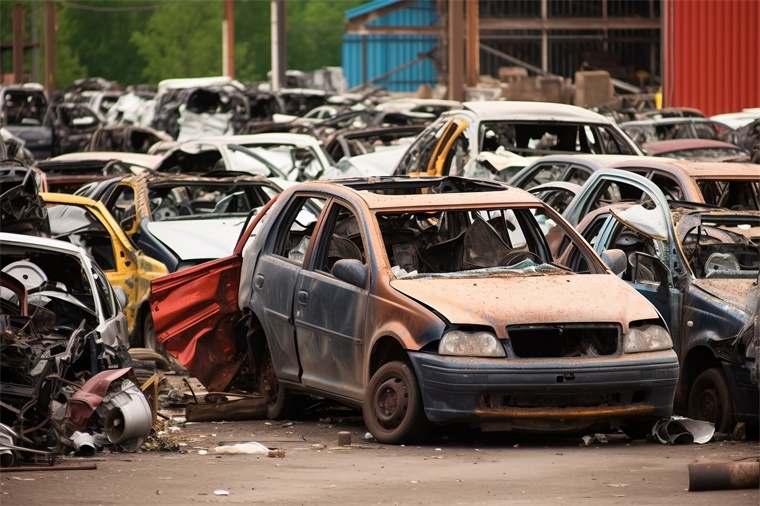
195 312
651 272
276 275
88 224
329 312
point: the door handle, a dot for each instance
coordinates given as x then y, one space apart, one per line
259 281
303 296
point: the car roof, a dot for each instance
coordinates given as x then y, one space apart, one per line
526 111
477 193
265 138
588 159
696 169
40 242
130 158
670 145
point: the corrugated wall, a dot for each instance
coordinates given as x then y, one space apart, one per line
387 52
712 54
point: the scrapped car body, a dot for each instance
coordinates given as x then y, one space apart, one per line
88 224
731 185
650 130
486 139
699 266
697 149
62 278
183 220
421 300
294 157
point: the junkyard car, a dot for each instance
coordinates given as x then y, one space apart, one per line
699 266
485 139
88 224
422 300
184 220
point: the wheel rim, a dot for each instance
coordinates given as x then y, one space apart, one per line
709 406
391 402
270 386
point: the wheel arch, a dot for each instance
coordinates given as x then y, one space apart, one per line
385 349
698 359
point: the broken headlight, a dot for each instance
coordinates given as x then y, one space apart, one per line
471 344
646 338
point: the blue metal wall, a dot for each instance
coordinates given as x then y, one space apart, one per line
387 52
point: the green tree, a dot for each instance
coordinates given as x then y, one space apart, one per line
181 39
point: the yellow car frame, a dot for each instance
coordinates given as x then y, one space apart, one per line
124 264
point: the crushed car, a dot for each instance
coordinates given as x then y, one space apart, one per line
699 265
60 319
422 301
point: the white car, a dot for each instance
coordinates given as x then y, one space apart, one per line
295 157
64 279
484 138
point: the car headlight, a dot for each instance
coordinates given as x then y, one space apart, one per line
647 338
471 344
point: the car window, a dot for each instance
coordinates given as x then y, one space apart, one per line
122 205
544 174
343 239
105 293
79 226
295 232
669 186
736 195
417 157
612 192
578 174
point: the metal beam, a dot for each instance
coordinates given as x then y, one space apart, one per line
395 30
282 37
456 49
50 13
228 39
473 43
618 23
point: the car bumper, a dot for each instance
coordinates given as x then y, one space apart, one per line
548 393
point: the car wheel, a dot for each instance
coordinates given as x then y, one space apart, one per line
393 410
280 402
149 334
710 400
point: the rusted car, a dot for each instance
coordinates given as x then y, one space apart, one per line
421 301
699 265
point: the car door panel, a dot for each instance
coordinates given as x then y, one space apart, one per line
329 320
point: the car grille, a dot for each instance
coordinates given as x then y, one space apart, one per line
564 341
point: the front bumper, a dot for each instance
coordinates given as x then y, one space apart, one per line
546 393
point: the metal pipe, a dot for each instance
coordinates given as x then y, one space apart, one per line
228 39
50 9
18 43
86 467
724 476
473 41
275 46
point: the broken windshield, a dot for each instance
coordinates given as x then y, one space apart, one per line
185 201
721 246
470 243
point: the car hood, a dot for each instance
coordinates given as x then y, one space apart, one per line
739 292
198 239
519 300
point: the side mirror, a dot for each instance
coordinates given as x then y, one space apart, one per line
351 271
616 260
121 296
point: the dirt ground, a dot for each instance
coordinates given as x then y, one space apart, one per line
460 467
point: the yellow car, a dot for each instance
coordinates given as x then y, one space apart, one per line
88 224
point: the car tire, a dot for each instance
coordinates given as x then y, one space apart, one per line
710 400
281 404
393 410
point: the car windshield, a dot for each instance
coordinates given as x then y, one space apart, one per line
721 246
296 162
544 138
23 108
469 243
188 201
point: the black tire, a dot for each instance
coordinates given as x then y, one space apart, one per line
710 400
638 428
280 402
148 332
393 410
